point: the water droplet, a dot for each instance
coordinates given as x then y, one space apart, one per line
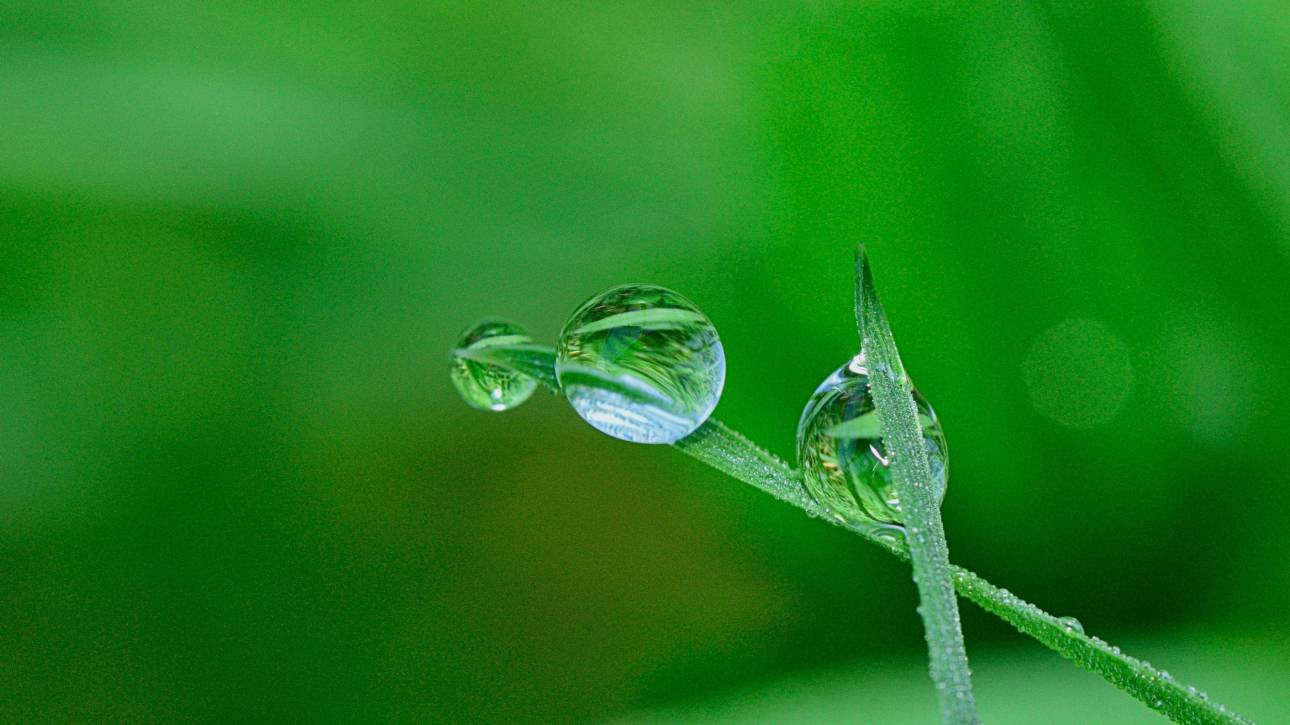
893 535
485 386
1071 624
641 363
839 446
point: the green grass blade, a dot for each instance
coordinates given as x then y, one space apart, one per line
736 456
726 450
1155 688
912 477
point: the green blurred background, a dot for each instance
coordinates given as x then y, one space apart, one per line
237 241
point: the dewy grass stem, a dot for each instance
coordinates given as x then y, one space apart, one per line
912 477
727 451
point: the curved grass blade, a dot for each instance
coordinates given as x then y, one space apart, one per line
736 456
1153 687
912 477
624 386
731 453
728 451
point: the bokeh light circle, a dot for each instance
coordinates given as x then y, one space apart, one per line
1078 373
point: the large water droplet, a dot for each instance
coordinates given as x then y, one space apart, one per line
641 363
845 465
485 386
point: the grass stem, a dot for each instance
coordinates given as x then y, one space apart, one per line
726 450
912 478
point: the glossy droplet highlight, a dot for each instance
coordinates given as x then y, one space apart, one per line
641 363
483 385
845 465
1071 624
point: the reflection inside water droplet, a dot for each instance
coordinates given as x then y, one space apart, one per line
484 386
641 363
845 465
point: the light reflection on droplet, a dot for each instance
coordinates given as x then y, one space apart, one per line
845 464
641 363
484 386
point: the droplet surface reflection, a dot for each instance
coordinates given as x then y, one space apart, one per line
641 363
484 386
845 465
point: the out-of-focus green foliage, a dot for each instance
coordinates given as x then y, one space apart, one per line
237 242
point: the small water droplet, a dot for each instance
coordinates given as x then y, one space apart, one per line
839 446
893 535
1071 624
641 363
490 387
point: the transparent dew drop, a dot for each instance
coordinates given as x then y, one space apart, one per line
484 386
641 363
845 466
1071 624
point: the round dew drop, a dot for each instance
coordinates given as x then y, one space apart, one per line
485 386
845 466
641 363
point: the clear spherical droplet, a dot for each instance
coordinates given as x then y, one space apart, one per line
641 363
845 465
485 386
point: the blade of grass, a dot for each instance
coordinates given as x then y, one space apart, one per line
726 450
912 477
1155 688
